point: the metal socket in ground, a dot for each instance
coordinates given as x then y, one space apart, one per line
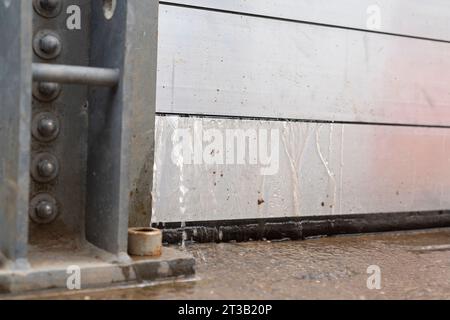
47 8
47 44
144 242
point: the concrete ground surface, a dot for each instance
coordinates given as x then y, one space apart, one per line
413 265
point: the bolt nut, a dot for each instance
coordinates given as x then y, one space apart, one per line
48 88
47 8
44 168
46 91
43 209
49 5
47 44
45 127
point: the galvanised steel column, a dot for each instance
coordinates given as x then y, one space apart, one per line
15 115
121 131
91 147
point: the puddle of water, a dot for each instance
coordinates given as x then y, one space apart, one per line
324 268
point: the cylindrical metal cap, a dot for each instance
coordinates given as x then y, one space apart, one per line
144 242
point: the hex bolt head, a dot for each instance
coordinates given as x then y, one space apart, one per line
45 210
47 127
49 44
46 168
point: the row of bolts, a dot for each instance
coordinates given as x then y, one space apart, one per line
48 46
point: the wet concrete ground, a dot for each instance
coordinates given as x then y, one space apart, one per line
414 265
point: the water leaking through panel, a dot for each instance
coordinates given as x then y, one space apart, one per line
315 169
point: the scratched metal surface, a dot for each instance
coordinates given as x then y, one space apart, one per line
324 169
225 64
15 119
407 17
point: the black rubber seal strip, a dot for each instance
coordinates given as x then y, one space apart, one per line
295 228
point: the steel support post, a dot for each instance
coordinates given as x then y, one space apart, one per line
121 134
15 115
76 161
